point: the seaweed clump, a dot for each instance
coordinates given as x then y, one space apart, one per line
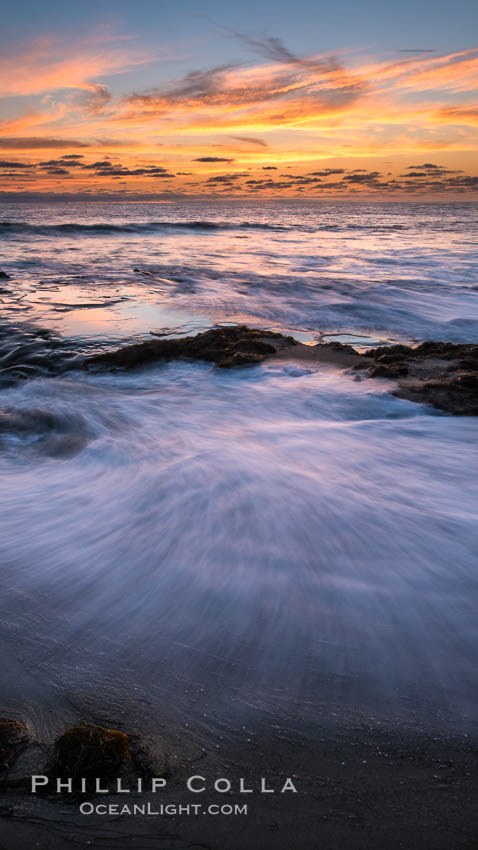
88 751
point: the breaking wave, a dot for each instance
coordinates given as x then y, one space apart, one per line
19 228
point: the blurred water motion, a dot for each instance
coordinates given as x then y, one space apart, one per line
292 523
275 535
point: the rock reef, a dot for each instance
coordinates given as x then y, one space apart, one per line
225 346
442 374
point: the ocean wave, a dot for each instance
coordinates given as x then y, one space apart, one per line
20 228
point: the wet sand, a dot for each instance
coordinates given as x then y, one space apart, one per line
360 785
373 769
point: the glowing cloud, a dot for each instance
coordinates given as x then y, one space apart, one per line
279 111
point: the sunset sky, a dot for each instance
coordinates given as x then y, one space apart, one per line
159 100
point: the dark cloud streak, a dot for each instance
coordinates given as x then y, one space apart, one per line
31 143
212 159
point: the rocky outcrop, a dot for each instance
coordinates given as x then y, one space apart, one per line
225 346
442 374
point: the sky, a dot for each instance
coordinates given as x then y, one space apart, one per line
160 100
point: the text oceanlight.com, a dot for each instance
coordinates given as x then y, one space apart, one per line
166 809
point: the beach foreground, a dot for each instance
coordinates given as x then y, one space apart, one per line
359 785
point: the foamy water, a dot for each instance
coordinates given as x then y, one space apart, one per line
297 529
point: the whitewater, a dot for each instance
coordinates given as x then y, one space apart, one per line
271 536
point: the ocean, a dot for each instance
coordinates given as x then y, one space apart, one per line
224 541
393 271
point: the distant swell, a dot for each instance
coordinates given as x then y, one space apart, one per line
19 228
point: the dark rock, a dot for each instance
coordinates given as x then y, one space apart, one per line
382 370
438 349
337 346
458 396
468 382
240 358
391 351
255 346
443 374
227 347
390 358
4 276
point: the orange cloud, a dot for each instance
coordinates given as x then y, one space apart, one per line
307 95
283 111
449 72
47 64
212 96
464 115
